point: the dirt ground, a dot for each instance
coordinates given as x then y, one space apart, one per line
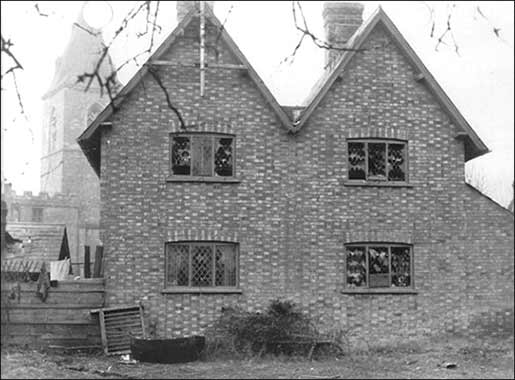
478 359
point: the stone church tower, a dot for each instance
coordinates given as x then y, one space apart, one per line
67 111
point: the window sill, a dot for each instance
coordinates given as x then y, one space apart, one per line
201 290
379 291
377 183
187 178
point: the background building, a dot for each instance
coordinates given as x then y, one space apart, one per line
69 187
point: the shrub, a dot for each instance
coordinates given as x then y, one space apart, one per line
272 331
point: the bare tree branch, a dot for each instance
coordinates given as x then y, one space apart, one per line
36 5
6 48
306 32
448 29
495 30
153 71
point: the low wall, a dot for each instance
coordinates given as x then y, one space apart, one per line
62 320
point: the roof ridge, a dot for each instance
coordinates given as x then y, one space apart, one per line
86 136
473 148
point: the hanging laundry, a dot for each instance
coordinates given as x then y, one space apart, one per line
59 270
43 283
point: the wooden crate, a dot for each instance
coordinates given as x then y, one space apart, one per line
117 324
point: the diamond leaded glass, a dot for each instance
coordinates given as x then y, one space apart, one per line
178 257
225 265
201 265
196 264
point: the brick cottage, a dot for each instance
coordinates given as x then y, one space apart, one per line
353 205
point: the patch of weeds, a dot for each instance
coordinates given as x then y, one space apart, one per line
281 329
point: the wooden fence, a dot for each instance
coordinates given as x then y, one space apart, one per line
64 319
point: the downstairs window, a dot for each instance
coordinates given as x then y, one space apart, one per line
201 264
379 266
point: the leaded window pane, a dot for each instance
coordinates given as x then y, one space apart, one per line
202 155
378 267
377 161
181 155
201 265
178 264
223 156
225 265
356 267
401 266
396 160
357 160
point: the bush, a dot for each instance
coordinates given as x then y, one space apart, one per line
248 333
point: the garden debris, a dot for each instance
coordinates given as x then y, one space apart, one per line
449 365
126 359
100 372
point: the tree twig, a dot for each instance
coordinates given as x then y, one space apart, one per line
152 70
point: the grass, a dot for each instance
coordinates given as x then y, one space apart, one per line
474 359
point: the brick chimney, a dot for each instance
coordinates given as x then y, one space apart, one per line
183 7
341 20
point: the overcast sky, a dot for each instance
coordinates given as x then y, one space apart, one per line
479 80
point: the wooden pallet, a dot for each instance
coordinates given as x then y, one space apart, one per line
117 324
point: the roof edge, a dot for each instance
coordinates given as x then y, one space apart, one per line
510 213
92 129
477 145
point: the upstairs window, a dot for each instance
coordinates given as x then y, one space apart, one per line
201 264
379 266
202 155
377 160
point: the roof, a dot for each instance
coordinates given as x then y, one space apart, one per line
41 242
507 211
474 147
21 266
293 118
89 140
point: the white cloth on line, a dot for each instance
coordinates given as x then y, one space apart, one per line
59 270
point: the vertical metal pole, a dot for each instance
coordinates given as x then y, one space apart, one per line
202 46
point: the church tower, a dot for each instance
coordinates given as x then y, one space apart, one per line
67 111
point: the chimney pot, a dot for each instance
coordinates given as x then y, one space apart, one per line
341 20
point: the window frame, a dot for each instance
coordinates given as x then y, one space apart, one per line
202 289
390 289
375 181
213 177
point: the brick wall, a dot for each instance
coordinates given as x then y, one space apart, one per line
292 213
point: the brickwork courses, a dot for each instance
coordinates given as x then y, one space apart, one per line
292 211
